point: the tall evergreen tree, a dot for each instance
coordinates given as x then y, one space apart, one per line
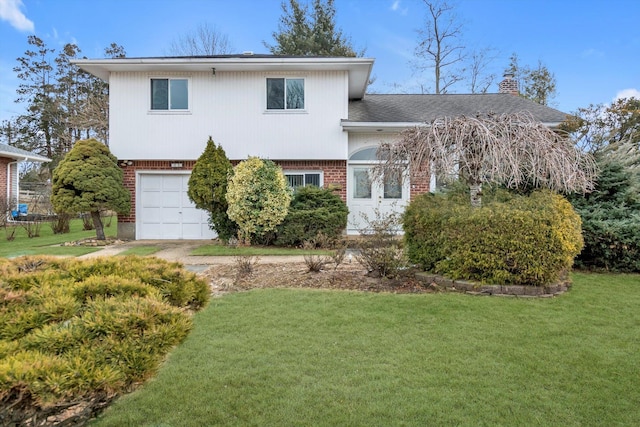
208 188
311 31
42 122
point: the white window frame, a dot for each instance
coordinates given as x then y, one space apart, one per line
303 173
169 110
285 109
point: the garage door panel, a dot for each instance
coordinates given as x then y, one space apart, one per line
165 211
172 231
152 182
172 182
191 231
153 215
171 215
151 231
191 215
151 199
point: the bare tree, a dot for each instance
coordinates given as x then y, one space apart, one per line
440 45
206 40
479 61
511 149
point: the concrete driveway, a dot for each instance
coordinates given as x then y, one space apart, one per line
180 250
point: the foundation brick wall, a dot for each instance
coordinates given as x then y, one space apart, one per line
334 173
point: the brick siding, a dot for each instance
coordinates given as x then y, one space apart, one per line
4 185
334 172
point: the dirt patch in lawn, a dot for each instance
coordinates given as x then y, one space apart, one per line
296 275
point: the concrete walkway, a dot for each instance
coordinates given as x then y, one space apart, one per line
179 250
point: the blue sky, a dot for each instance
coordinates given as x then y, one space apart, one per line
592 47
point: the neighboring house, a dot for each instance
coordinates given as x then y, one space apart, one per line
308 114
10 158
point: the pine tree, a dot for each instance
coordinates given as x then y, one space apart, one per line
88 179
306 32
611 219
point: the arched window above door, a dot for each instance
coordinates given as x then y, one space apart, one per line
365 154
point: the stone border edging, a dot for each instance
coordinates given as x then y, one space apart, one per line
497 290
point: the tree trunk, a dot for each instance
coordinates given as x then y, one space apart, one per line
476 195
97 224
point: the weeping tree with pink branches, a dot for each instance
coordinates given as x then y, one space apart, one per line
514 150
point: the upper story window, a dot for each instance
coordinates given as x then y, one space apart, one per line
169 94
285 94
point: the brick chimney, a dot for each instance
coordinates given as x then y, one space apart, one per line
509 85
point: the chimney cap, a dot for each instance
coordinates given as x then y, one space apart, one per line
508 75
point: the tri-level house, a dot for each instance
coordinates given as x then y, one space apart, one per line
311 115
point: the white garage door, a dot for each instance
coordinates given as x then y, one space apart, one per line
165 212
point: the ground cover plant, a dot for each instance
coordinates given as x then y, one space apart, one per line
283 357
75 334
49 243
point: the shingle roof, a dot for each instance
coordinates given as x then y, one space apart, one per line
19 154
425 108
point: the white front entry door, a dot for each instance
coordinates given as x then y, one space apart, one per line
365 196
164 210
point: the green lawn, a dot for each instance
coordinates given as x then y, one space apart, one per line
48 243
225 250
333 358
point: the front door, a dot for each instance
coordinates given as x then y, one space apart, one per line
369 199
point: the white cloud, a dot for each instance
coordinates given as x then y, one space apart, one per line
628 93
396 7
10 12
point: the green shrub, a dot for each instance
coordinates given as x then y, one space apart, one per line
510 240
258 197
208 188
84 331
611 220
313 210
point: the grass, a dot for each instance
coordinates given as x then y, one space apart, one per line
225 250
45 243
326 358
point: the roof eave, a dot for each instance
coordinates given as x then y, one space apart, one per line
24 157
358 69
354 126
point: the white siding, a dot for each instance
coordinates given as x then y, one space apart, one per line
14 183
230 107
358 141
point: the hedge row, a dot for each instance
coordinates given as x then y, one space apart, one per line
511 239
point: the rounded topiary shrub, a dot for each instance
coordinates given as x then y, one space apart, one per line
312 211
258 197
511 239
